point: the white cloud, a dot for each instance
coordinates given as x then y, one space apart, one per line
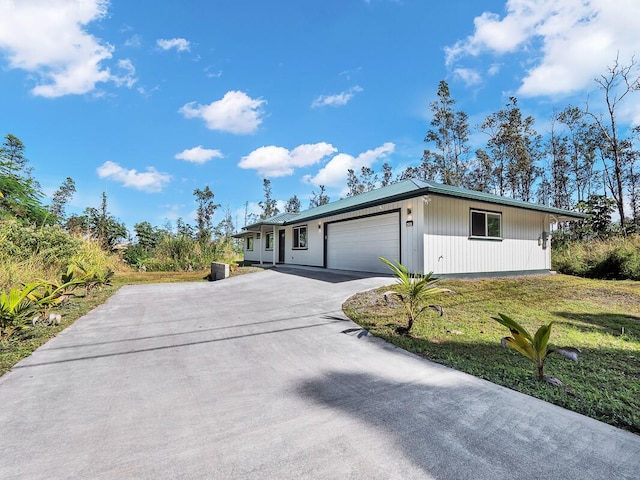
150 181
49 38
128 78
468 75
337 100
199 155
235 113
334 173
135 41
493 69
210 72
272 161
578 39
180 44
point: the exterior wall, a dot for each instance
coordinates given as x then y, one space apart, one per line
253 255
438 241
410 247
449 250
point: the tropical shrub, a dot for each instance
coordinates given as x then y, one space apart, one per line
16 307
535 348
413 290
50 244
613 258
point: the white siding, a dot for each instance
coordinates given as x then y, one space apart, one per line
253 255
410 237
312 255
358 244
448 248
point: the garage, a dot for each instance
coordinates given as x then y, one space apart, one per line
357 244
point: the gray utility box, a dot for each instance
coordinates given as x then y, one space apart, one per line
219 271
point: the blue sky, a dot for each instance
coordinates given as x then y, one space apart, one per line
149 100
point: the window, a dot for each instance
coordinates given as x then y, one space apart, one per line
486 224
300 237
269 244
249 243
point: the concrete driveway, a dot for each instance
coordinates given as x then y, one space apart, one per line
251 377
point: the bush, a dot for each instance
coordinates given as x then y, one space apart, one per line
49 242
615 258
29 253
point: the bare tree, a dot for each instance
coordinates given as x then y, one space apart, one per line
616 84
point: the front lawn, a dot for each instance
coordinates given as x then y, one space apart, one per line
601 318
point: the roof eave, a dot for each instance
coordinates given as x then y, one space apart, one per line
360 206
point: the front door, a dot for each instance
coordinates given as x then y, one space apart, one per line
281 246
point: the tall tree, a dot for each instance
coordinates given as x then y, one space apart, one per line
448 163
555 186
481 175
368 179
580 150
318 199
365 181
12 157
293 205
101 224
249 218
21 193
204 214
225 227
61 197
269 205
616 84
147 236
387 175
516 149
354 185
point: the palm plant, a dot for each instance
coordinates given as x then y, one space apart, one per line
413 290
15 307
49 295
535 348
93 278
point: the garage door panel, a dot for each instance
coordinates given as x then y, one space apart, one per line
358 244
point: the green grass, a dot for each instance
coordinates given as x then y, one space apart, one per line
22 344
601 318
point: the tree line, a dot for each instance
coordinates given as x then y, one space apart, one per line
587 160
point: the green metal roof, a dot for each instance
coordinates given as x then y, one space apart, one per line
279 219
414 188
448 190
379 196
401 191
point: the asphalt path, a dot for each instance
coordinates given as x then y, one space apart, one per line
254 377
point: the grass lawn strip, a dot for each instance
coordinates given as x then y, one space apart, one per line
601 318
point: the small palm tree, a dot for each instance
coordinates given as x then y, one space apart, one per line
536 347
413 290
15 307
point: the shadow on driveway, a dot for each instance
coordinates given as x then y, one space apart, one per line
326 275
459 430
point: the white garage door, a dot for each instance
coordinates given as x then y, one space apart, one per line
357 244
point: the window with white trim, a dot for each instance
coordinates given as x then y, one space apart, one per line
269 243
486 224
249 243
300 237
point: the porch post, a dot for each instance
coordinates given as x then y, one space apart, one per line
273 250
260 247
